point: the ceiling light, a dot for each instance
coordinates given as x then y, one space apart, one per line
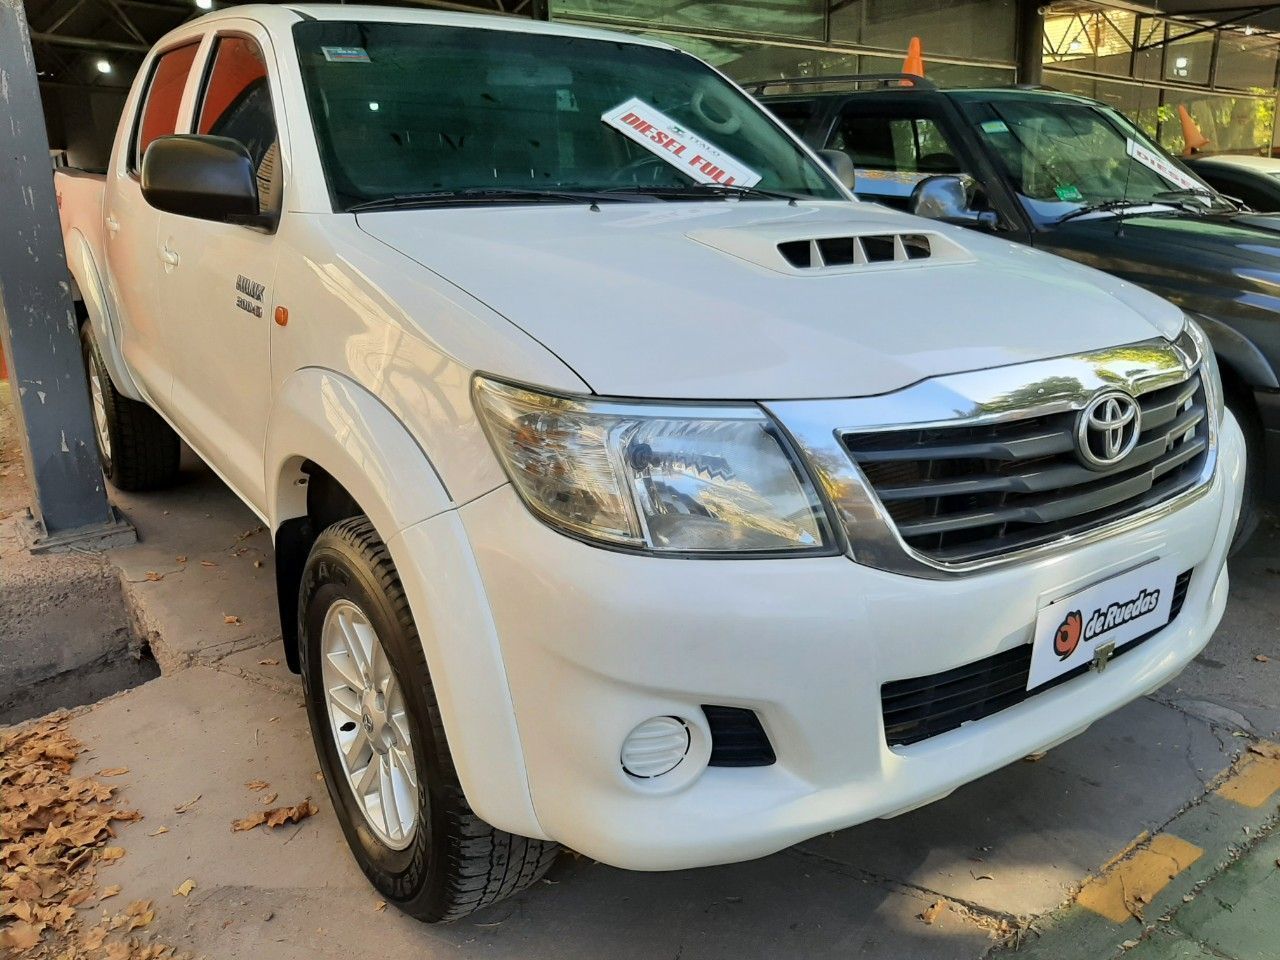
204 4
104 66
373 106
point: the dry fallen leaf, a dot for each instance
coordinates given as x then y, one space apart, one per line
113 772
21 936
110 891
1262 658
153 576
207 563
269 662
257 563
380 906
276 817
93 939
184 807
184 888
933 911
1264 749
158 831
182 558
109 854
270 798
249 822
1035 757
257 784
230 619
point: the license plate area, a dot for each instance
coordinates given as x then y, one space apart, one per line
1090 623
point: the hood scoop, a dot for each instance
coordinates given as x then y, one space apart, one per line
783 248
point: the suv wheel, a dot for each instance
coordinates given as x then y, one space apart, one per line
381 744
139 451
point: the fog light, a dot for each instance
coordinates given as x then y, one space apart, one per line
655 747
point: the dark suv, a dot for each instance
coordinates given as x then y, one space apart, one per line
1074 177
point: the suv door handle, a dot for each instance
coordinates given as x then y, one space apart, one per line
113 224
168 257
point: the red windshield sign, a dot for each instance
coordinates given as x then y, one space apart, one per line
683 149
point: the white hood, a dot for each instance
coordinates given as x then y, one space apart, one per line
694 300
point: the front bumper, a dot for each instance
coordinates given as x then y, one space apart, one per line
595 642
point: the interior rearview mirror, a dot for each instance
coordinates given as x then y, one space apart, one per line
950 199
838 163
209 178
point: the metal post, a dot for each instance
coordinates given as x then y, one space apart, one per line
1030 42
37 325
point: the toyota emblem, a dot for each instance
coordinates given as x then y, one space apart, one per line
1107 430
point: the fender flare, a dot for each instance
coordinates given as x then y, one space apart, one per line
1238 352
327 419
84 272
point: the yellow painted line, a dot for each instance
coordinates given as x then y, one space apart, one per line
1122 891
1253 782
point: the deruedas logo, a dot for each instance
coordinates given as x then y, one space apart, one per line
1076 628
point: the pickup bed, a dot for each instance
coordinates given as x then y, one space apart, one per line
633 487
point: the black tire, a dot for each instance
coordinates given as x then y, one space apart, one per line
1242 407
458 863
144 451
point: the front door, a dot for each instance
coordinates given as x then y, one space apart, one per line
216 288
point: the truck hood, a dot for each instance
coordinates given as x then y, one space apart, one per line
756 300
1219 266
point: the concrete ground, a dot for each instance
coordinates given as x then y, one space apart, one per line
1158 812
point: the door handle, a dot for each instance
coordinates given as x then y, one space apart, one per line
113 225
168 257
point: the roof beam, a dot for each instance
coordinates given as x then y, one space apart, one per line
88 43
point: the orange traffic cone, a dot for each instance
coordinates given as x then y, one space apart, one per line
914 63
1191 134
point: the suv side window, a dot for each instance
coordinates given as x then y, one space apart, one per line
796 114
159 114
236 103
891 154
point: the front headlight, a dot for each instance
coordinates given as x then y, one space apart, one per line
659 477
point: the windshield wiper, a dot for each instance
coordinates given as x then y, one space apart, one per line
1195 193
1100 207
484 195
708 189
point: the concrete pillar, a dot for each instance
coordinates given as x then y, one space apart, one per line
37 322
1030 42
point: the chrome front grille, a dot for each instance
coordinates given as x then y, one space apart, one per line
959 474
967 492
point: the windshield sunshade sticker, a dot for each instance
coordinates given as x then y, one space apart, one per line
994 126
683 149
1068 191
345 54
1153 161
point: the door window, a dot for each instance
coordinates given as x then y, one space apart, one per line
236 103
892 154
159 116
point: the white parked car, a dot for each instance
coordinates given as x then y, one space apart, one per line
633 488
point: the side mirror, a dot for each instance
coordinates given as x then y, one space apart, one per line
209 178
838 163
950 199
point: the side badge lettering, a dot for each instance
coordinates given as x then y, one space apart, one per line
250 291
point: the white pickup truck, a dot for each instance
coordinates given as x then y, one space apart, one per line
633 487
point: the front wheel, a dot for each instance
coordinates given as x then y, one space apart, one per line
381 744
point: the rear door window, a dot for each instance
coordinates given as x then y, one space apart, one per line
159 115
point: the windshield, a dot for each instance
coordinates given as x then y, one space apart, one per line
411 109
1064 158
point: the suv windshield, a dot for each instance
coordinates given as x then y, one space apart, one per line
1067 158
405 110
